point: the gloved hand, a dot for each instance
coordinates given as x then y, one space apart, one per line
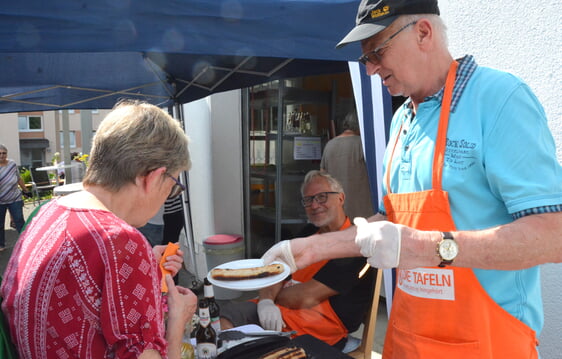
280 252
270 315
27 194
379 242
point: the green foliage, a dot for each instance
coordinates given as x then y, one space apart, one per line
25 174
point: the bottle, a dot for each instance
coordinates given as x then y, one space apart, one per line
187 351
205 336
214 309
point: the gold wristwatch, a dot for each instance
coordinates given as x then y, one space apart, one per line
447 249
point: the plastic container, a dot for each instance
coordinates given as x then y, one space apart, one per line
223 248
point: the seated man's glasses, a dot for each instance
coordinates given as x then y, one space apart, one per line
375 56
320 198
177 189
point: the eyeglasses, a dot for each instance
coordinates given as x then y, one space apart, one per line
320 198
375 56
3 153
177 189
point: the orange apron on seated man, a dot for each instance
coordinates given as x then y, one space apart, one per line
320 321
444 312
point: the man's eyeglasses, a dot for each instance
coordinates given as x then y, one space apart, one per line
375 55
320 198
177 189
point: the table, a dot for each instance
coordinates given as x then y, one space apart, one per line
55 169
68 189
52 168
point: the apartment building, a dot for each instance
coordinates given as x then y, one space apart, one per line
33 138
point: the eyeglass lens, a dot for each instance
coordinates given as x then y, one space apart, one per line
374 56
320 198
175 191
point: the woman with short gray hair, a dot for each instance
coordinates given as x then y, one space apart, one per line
83 282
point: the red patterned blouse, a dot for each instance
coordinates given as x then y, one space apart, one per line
83 284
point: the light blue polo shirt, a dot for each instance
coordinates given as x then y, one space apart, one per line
500 160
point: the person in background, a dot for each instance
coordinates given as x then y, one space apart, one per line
327 299
472 200
82 281
10 195
153 230
77 168
343 158
173 220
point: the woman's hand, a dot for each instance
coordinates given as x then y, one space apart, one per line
182 302
173 263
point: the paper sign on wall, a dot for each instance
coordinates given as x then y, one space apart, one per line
307 148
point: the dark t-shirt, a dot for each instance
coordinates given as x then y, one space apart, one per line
342 275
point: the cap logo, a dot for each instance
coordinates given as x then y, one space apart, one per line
380 12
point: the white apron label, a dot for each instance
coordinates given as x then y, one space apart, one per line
428 283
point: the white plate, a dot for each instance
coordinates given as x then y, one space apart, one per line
248 284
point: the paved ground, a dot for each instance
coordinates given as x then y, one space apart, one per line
186 279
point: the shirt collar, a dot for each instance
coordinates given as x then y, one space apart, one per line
467 66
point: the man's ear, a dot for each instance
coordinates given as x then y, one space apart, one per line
342 198
424 32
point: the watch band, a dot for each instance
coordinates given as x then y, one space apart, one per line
444 262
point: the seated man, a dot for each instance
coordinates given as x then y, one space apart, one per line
327 299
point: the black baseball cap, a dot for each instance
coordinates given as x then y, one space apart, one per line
374 16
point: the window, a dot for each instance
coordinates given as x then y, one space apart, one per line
30 123
71 135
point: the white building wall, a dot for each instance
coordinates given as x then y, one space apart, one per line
8 136
215 179
524 38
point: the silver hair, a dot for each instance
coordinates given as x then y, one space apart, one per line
134 139
435 20
351 123
335 186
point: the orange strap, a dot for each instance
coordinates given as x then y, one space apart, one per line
387 176
441 139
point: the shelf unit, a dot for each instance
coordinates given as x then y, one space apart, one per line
275 173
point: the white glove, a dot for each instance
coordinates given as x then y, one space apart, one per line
379 242
270 315
280 252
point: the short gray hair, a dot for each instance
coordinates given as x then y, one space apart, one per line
435 20
134 139
335 186
351 123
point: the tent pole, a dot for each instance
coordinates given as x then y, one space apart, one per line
188 227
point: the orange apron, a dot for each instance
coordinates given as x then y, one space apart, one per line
319 321
445 312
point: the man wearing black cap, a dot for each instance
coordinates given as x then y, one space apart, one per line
472 195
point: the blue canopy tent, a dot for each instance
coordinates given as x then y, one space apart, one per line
87 54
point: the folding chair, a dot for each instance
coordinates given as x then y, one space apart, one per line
40 183
370 322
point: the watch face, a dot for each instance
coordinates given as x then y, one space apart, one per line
448 249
